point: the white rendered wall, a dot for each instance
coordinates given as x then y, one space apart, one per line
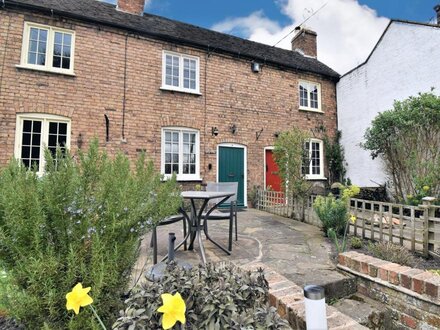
406 62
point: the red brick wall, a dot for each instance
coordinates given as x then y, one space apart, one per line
305 41
232 94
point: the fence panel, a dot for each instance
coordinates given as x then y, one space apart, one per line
415 227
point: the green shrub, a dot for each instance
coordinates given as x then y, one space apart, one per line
333 212
216 297
356 243
391 252
80 222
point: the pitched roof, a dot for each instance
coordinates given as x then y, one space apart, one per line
392 21
173 31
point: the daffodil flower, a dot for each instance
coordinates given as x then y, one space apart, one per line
353 219
78 297
173 310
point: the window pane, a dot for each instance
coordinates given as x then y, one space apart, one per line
62 128
32 58
42 47
35 153
53 128
41 60
52 141
27 126
66 63
175 168
36 139
168 169
34 34
25 152
26 139
167 158
36 126
57 49
33 46
58 38
43 35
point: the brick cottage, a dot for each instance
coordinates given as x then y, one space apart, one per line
203 104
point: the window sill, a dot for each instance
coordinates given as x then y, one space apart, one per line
182 179
180 90
311 110
317 178
32 68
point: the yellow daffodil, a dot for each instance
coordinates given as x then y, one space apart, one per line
425 188
77 298
353 219
173 310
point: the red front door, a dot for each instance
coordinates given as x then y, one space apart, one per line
272 178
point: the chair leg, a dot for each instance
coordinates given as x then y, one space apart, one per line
154 241
236 225
184 233
231 225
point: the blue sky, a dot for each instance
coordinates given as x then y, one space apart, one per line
208 12
347 29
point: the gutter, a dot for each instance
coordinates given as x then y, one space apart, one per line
161 37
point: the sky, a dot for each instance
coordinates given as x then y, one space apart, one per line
347 29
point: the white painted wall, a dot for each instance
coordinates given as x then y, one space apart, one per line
406 62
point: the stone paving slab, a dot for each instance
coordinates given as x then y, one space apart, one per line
294 249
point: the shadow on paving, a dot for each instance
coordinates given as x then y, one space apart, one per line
292 248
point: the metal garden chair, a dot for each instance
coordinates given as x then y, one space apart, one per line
218 215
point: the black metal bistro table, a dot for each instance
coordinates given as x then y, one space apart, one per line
197 216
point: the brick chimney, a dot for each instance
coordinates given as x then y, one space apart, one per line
135 7
437 10
304 41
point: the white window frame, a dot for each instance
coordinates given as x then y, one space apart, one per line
321 161
49 49
308 85
46 119
180 88
181 176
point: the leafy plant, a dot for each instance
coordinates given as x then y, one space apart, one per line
391 252
407 138
253 196
334 158
333 212
80 222
356 243
216 297
289 155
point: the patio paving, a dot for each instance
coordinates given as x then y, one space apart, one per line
292 248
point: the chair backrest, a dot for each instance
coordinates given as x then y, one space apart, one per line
223 187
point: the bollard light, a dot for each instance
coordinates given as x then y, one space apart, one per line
314 300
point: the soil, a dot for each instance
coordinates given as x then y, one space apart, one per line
419 261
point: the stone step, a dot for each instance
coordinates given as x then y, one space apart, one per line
363 310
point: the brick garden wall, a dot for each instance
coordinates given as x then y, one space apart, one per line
231 94
411 296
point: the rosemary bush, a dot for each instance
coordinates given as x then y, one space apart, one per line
79 222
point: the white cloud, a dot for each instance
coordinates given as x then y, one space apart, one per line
347 31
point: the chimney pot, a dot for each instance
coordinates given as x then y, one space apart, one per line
437 10
135 7
304 41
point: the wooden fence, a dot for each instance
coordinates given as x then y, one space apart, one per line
415 227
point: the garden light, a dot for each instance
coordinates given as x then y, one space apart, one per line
314 300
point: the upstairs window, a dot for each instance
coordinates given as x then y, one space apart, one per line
34 132
180 72
313 163
180 153
309 96
47 48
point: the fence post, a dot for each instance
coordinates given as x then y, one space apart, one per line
428 226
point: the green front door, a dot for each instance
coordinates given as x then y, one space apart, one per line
231 169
